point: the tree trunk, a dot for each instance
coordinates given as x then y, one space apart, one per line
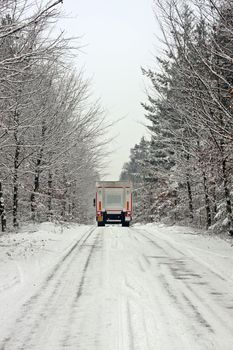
227 196
214 201
70 209
175 205
15 187
2 210
225 186
207 201
50 182
190 197
189 189
37 173
63 211
224 171
35 189
15 172
73 209
64 199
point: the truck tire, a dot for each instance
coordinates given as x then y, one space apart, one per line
100 224
125 224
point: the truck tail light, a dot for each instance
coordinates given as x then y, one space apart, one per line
100 206
127 205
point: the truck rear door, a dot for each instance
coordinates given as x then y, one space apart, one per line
114 199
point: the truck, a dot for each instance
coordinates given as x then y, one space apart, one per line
113 202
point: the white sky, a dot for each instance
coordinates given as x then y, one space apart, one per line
119 38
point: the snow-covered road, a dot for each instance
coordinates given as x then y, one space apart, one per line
114 288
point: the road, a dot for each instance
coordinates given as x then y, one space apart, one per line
133 288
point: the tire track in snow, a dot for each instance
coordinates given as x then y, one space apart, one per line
196 302
189 274
148 313
130 326
81 285
139 231
79 293
153 241
138 290
192 301
30 308
194 256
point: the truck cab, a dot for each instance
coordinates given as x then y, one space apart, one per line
113 202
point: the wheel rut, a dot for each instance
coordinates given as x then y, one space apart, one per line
192 287
40 306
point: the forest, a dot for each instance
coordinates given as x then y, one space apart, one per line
50 127
183 172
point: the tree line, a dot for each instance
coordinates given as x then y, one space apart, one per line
184 171
51 132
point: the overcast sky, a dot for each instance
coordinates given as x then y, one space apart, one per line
118 36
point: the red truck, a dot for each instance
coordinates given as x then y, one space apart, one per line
113 202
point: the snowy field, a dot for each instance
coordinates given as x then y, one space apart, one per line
115 288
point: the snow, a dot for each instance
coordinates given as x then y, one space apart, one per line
115 288
26 259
